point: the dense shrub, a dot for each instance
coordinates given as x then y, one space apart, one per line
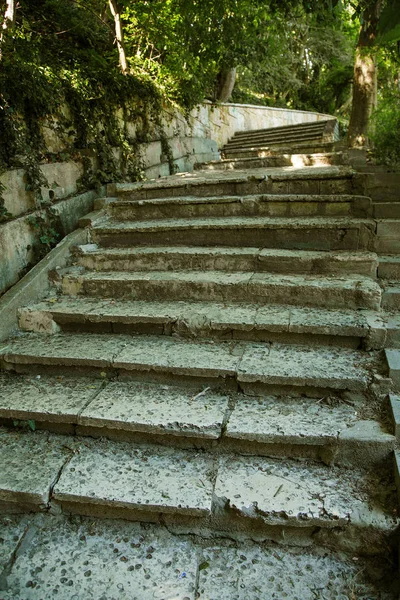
385 131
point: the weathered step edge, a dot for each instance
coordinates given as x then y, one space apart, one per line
199 493
221 321
253 367
258 288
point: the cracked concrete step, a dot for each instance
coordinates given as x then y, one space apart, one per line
276 159
389 267
122 559
261 288
306 180
301 233
284 323
180 258
191 491
261 205
254 367
281 147
336 432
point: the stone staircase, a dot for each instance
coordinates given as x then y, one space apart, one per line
211 364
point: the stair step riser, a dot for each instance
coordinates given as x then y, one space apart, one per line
321 185
329 451
159 261
125 211
262 293
307 238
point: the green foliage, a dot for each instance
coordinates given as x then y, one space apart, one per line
385 131
44 225
389 23
4 214
28 424
305 62
60 69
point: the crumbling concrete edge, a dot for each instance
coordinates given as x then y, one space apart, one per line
35 284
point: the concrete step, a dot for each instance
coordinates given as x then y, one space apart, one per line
264 138
311 147
262 205
391 296
285 324
389 267
180 258
329 431
253 367
276 159
196 492
217 286
301 233
288 180
387 210
116 559
311 126
388 236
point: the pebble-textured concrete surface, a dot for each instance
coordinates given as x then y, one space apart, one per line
179 356
157 409
30 465
71 350
293 420
330 367
252 573
118 474
289 492
12 530
60 399
73 559
276 364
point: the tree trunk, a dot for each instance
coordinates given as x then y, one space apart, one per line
365 77
225 83
8 21
119 36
